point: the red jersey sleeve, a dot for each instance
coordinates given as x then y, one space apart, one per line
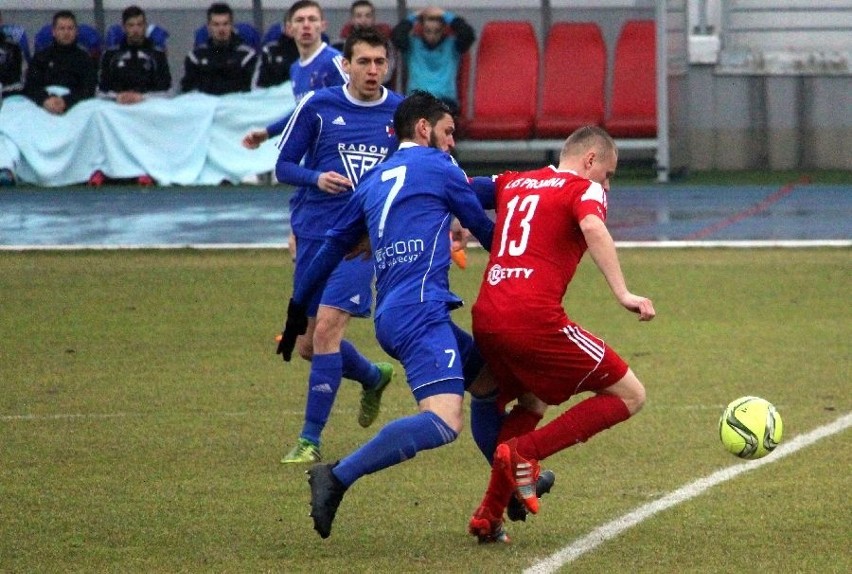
592 201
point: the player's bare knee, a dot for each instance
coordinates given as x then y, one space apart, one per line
635 400
458 428
448 408
328 333
629 390
453 420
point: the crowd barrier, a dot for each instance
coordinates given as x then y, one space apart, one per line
190 139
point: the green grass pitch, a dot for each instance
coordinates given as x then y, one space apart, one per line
143 414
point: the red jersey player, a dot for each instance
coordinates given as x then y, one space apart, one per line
546 220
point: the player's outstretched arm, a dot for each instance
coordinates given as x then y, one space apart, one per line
466 206
254 138
602 250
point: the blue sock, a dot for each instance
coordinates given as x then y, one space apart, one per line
356 367
323 383
398 441
485 422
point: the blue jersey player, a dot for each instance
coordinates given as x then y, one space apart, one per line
406 205
319 65
342 133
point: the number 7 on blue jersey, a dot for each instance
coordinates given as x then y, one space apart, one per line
398 175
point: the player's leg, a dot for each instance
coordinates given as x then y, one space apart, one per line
558 369
291 245
486 417
305 449
584 420
487 520
323 383
347 294
350 289
629 389
396 442
421 338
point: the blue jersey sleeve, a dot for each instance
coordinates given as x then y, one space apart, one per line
301 130
277 128
313 281
465 205
341 238
486 190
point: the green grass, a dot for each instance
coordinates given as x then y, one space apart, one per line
144 412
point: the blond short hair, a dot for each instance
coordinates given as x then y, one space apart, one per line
586 138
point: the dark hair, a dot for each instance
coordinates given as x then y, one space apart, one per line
369 36
418 105
219 8
360 3
63 14
302 4
131 12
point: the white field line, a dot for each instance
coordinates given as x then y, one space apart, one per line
103 416
615 527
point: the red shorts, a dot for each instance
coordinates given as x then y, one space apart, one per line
552 365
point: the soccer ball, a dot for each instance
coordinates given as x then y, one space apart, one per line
750 427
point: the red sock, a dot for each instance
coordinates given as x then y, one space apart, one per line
498 493
519 421
578 424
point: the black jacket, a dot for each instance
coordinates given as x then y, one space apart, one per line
220 70
140 69
68 66
275 61
11 66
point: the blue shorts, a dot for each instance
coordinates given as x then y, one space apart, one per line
349 288
437 355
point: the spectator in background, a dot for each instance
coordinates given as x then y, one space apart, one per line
432 51
135 67
11 66
362 14
225 64
276 58
63 73
18 35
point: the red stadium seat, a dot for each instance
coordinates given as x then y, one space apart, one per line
633 108
506 82
574 79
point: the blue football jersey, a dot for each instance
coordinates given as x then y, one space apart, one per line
333 132
407 205
323 69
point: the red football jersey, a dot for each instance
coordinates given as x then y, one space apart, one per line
536 249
